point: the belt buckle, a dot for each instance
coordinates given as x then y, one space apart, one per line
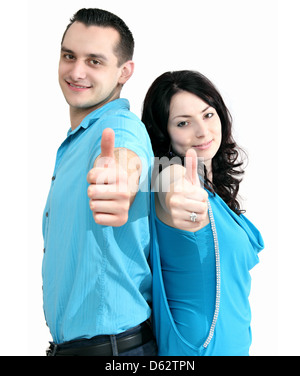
52 350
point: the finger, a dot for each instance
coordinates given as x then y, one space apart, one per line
101 175
107 192
107 143
195 207
102 191
197 194
110 219
191 165
192 218
105 206
107 148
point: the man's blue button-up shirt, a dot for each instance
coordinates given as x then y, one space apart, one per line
96 279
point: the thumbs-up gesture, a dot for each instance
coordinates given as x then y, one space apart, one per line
108 189
187 200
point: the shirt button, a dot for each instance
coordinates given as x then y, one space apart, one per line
53 178
47 214
44 250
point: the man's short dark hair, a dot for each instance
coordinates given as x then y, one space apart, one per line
99 17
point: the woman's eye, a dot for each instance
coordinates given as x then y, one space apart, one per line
182 124
209 115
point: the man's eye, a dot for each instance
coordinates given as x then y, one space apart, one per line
68 57
95 62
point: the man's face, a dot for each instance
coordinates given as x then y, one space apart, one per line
89 75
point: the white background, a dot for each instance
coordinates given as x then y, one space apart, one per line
247 48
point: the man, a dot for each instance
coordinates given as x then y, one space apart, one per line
96 279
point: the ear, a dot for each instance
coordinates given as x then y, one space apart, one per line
126 71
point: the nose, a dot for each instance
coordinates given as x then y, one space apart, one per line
200 129
78 71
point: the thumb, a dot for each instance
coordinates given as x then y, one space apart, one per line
191 165
108 143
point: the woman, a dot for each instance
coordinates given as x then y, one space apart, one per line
203 246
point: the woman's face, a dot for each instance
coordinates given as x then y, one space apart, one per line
194 124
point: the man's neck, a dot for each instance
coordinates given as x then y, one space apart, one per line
78 114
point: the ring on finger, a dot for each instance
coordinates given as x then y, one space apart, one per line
193 217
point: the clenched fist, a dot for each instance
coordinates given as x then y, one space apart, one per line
108 191
186 196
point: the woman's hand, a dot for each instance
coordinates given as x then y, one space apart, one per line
185 202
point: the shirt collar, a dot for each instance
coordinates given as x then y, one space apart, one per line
96 114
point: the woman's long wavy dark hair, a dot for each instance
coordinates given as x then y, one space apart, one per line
226 164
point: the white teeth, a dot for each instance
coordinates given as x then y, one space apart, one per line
78 87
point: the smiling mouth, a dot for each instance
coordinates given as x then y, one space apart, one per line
203 146
77 87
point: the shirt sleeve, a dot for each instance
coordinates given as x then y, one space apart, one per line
130 133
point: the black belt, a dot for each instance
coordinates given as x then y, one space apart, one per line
84 348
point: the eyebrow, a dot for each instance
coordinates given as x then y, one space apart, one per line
95 56
188 116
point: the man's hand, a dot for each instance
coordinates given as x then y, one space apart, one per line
186 197
108 191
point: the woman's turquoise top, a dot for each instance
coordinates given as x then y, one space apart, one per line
201 284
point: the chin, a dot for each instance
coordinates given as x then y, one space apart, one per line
79 105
